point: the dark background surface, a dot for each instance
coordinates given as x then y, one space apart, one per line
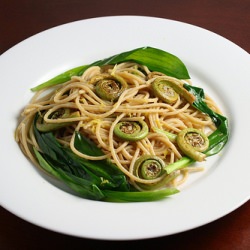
228 18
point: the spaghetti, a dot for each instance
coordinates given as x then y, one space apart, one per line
78 105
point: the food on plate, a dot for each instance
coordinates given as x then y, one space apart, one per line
126 128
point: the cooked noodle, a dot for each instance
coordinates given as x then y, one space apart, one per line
97 118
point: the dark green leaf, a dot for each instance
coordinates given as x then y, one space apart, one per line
64 77
57 156
103 173
139 196
86 146
219 138
154 59
104 168
83 187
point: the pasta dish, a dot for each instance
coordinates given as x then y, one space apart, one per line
137 120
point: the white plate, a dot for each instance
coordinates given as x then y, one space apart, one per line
214 63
